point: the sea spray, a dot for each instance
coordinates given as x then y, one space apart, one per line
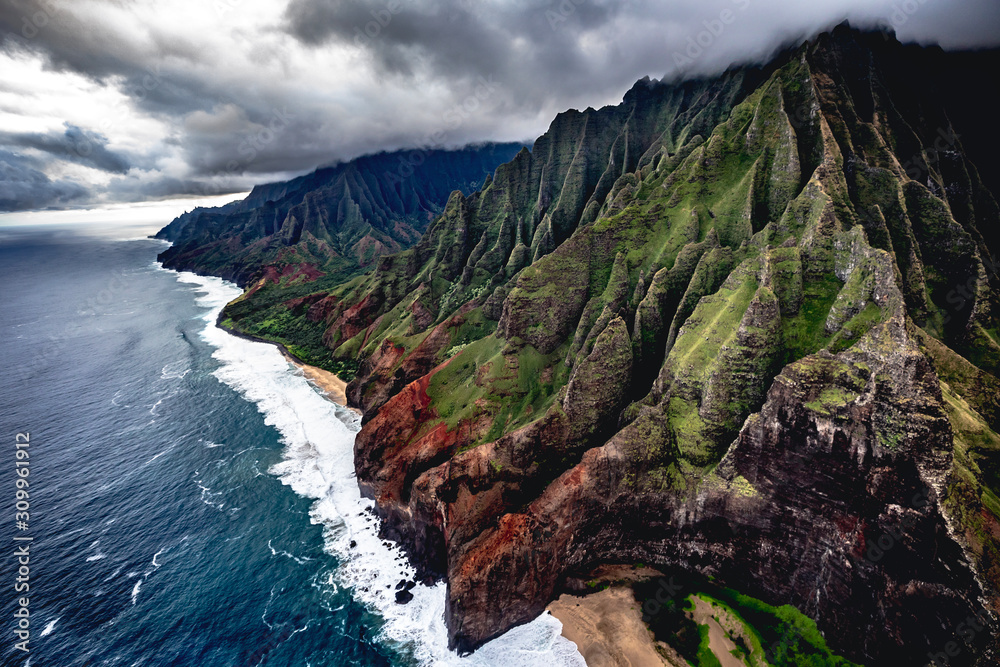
318 464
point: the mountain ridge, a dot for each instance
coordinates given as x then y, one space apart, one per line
733 325
337 218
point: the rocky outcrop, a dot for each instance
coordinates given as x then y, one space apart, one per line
792 513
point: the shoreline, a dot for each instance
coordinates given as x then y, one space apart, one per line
329 384
368 581
575 614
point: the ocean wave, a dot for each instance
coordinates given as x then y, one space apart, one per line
157 456
318 464
208 496
175 370
47 630
135 591
301 560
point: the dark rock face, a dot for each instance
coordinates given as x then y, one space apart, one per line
831 464
731 325
789 511
760 293
340 218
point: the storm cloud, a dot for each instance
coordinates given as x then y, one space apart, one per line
23 187
114 101
74 145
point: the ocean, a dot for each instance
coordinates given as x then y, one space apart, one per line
191 495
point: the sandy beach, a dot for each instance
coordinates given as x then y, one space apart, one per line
331 385
607 628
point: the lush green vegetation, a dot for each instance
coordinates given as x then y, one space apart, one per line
705 656
726 230
265 315
484 377
805 332
783 635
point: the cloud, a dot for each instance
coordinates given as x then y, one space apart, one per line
25 188
166 187
74 145
568 49
539 52
226 140
219 95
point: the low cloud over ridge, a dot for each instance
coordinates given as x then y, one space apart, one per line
113 102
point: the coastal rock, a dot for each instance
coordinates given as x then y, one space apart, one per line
784 415
718 327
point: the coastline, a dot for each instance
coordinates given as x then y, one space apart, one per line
329 384
318 465
582 619
607 628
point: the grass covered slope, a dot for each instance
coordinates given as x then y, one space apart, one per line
763 634
725 326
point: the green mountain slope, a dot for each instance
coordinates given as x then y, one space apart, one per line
745 325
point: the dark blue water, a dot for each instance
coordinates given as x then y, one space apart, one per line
157 539
191 498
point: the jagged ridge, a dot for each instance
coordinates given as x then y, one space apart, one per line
337 219
736 325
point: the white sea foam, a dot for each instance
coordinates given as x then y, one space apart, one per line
97 555
208 496
47 630
319 464
175 370
157 456
301 560
135 591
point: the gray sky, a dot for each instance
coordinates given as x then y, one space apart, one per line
106 102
